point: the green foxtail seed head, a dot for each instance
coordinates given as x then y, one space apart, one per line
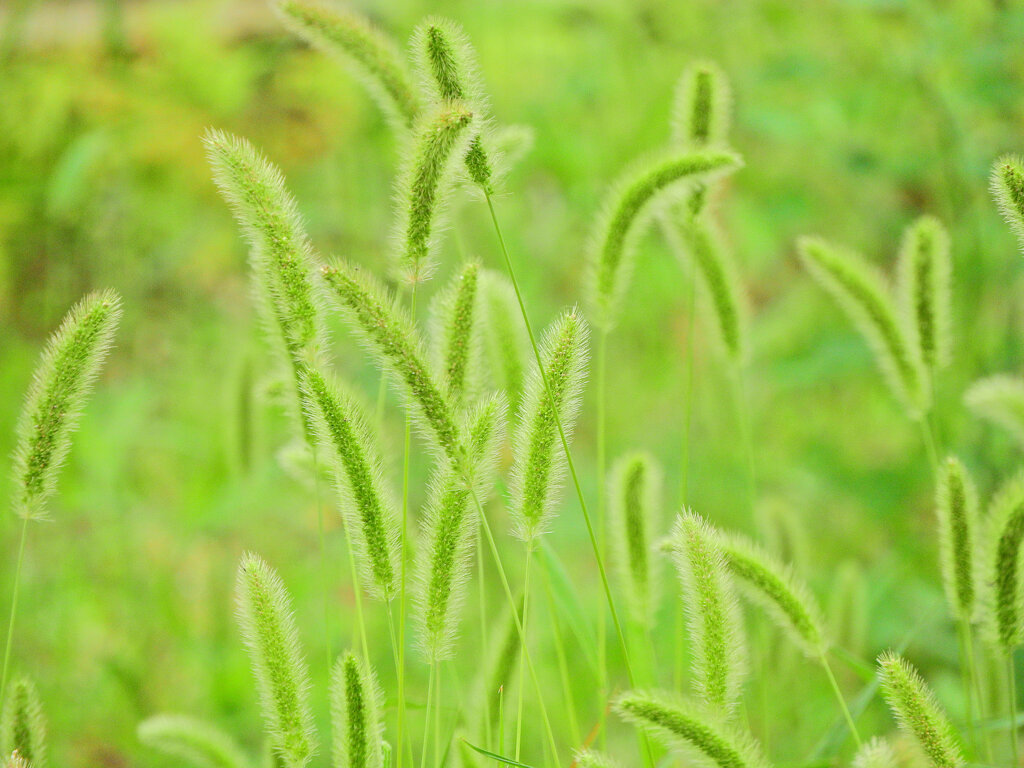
588 758
1000 400
356 715
282 677
701 734
449 533
424 186
539 465
1008 189
391 337
61 382
924 278
1001 573
626 208
701 107
956 506
918 713
22 724
876 753
634 494
447 65
368 510
282 257
195 741
370 55
455 329
701 240
776 588
506 342
861 293
716 633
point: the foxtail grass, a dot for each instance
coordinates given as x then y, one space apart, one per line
23 725
1008 190
504 340
924 288
356 715
456 331
635 498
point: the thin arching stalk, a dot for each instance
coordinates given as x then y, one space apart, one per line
357 588
324 574
602 484
14 607
426 719
526 613
483 626
563 666
839 697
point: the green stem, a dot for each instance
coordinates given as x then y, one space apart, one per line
483 629
357 590
14 608
684 462
928 437
602 431
1011 676
526 612
426 720
563 666
324 575
966 654
839 697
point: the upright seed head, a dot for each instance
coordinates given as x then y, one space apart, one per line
456 332
861 293
719 658
918 713
1008 189
192 740
61 383
505 340
634 502
700 111
356 715
876 753
1002 567
701 735
539 465
999 399
369 54
282 677
956 506
368 510
424 185
22 724
924 290
627 207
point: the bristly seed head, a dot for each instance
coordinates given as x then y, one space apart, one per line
924 269
1008 190
356 715
22 723
956 507
634 493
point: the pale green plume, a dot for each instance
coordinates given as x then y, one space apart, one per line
918 713
876 753
22 724
715 624
370 515
1000 400
956 508
505 341
588 758
366 51
1008 189
701 107
924 290
1001 572
390 335
455 330
861 293
627 207
282 257
424 186
700 734
60 385
282 677
192 740
449 533
356 715
634 504
777 589
538 468
15 760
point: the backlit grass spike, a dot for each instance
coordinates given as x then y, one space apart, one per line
505 341
356 715
956 507
1001 566
22 723
701 107
876 753
634 501
456 333
924 269
1008 190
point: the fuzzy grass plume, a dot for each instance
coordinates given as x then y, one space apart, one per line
876 753
60 385
456 332
356 715
1000 400
924 269
22 723
634 500
701 106
1008 190
539 465
956 506
282 677
918 713
505 342
589 758
1001 573
369 54
192 740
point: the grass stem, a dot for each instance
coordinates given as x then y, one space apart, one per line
14 608
839 698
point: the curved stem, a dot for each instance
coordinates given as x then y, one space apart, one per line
602 432
14 608
839 697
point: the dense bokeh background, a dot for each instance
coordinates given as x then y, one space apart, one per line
854 116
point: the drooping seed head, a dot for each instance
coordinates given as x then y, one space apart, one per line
369 54
627 207
280 671
455 330
1001 573
700 734
60 385
777 589
195 741
356 715
924 290
506 342
716 633
701 108
1008 189
917 712
22 724
634 494
1000 400
956 506
371 520
862 294
876 753
550 398
439 140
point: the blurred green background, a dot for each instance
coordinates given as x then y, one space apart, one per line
854 117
